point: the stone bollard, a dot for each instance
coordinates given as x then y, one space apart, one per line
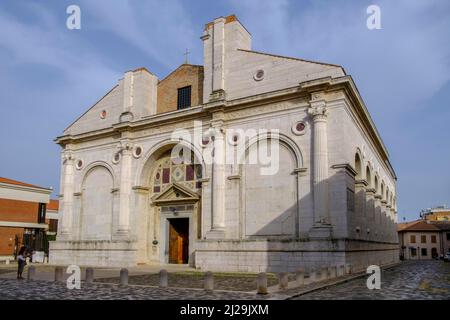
7 261
45 259
324 274
31 273
348 269
332 271
300 277
283 280
89 275
261 283
342 270
163 279
59 274
209 281
123 277
312 276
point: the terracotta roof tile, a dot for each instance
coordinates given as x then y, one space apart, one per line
18 183
418 225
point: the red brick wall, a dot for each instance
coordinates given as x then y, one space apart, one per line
185 75
7 245
19 211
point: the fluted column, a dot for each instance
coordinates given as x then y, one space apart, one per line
218 183
125 188
67 214
318 112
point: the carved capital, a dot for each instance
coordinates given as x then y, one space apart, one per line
68 157
125 146
318 111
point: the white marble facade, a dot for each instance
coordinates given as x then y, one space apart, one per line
332 201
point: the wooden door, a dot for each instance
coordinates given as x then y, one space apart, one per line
178 240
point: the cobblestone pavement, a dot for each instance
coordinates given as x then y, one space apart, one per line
222 281
45 290
411 280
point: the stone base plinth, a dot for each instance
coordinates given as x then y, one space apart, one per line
93 253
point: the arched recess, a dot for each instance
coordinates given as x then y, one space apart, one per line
175 192
369 177
97 203
376 184
269 203
358 166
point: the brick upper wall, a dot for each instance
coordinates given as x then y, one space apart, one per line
7 237
18 211
183 76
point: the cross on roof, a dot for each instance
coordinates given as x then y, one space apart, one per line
186 53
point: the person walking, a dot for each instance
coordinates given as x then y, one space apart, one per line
21 262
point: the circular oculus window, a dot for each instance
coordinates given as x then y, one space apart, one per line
205 141
137 152
234 139
259 75
103 114
79 164
116 158
299 128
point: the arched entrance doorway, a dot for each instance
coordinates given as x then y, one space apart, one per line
175 193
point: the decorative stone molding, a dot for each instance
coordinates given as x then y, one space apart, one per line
300 171
217 95
126 117
370 191
361 183
234 177
141 189
347 167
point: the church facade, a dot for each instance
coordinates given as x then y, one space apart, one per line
250 162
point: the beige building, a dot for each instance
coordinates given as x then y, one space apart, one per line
325 196
441 213
419 240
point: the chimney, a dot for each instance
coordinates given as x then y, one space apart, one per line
221 39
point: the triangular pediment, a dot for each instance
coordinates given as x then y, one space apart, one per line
176 193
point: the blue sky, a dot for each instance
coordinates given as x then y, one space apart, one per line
49 75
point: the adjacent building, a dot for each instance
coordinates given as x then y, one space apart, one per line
327 195
423 239
441 213
25 214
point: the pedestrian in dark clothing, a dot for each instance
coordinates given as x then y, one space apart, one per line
22 261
